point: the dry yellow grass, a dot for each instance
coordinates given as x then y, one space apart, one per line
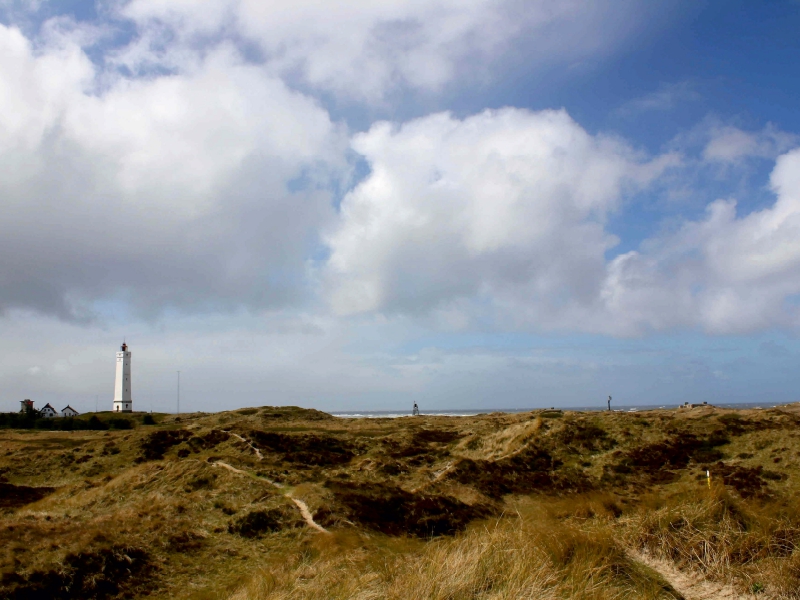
512 558
753 545
537 505
572 548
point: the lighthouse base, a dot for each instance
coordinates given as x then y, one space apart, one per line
124 407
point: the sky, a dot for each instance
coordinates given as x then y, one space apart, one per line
361 205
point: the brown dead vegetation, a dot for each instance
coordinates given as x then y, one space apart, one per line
257 523
534 470
394 511
13 496
159 442
543 505
747 481
91 575
306 449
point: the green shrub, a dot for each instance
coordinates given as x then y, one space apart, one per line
120 423
96 424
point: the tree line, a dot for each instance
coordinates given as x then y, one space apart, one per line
31 419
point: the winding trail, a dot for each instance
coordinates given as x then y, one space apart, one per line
689 585
249 443
306 513
302 506
225 465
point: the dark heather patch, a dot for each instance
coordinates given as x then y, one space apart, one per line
208 441
736 425
437 436
532 470
214 438
579 436
416 450
325 517
394 511
658 461
309 449
391 469
747 481
159 442
258 522
424 442
185 542
12 496
294 413
90 575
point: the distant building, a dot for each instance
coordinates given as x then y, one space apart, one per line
48 412
69 412
122 385
27 405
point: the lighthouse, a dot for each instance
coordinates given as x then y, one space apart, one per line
122 385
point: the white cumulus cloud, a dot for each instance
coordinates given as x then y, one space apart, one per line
508 206
725 274
500 220
163 191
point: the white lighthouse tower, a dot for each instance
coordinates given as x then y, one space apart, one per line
122 385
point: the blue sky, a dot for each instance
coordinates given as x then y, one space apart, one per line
358 206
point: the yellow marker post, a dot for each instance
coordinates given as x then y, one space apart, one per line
708 478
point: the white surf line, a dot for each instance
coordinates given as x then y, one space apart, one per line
690 585
249 443
306 514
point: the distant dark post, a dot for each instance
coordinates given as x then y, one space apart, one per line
609 403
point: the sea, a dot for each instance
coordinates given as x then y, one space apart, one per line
471 412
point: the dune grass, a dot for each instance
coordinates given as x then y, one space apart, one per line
510 558
577 547
537 505
754 544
